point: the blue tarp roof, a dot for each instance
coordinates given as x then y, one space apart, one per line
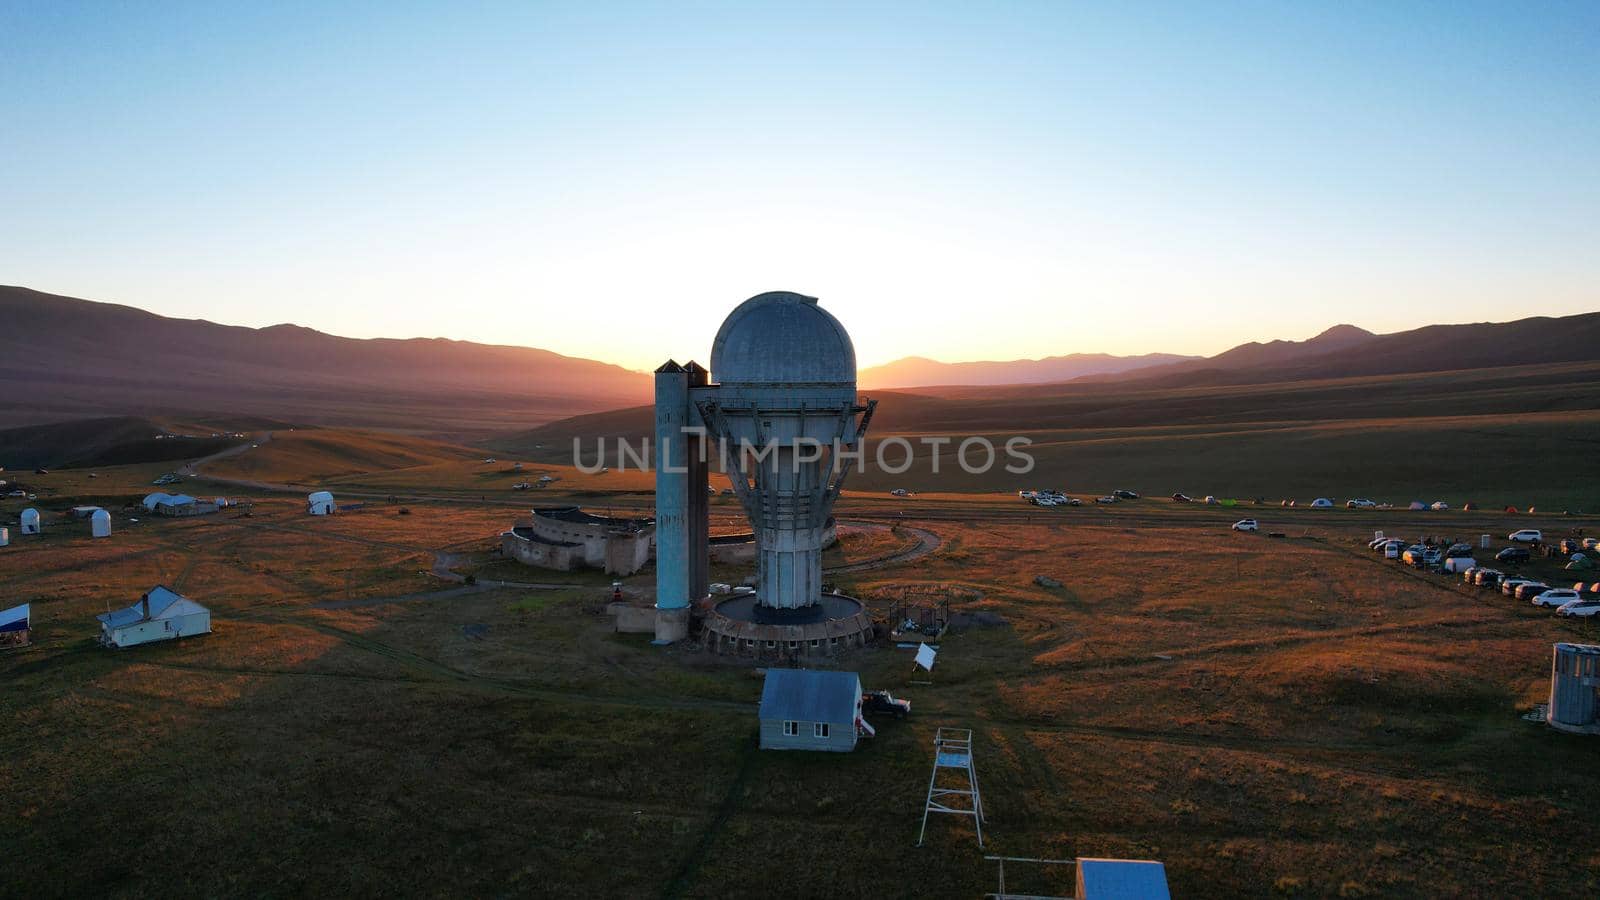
14 619
805 695
1123 879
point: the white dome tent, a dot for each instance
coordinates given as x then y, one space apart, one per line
320 503
100 523
30 521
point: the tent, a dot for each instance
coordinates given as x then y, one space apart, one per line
1579 563
1322 503
16 626
30 521
1417 506
100 523
162 614
319 503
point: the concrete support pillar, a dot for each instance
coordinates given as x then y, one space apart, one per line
672 496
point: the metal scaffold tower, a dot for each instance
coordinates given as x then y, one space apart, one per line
958 793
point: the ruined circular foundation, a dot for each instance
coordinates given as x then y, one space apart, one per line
737 626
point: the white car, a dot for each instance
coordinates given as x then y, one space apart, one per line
1526 536
1557 597
1439 506
1246 525
1584 608
1394 549
1360 504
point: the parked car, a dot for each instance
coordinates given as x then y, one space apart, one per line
1526 536
1105 499
1469 573
898 492
1458 551
1431 556
1556 597
1439 506
885 702
1529 590
1413 555
1069 501
1360 503
1513 555
1508 586
1587 607
1377 543
1125 495
1182 498
1246 525
1394 549
1489 578
1569 546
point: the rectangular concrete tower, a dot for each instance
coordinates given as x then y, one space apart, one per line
682 529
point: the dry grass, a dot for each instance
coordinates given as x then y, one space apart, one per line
1324 723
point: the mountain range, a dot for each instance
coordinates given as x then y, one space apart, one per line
919 371
64 358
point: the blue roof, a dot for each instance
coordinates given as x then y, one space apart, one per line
15 618
1122 879
805 695
162 599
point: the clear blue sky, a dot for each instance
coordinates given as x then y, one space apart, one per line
957 181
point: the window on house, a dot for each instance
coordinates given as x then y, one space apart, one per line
819 730
791 729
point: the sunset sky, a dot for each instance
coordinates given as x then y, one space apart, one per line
974 181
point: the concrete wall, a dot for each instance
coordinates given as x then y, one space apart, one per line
544 556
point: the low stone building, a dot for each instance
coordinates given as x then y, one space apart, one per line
566 538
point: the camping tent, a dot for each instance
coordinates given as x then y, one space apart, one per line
1579 563
1418 506
160 615
319 503
30 521
100 523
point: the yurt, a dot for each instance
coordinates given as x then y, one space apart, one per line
30 521
100 523
319 503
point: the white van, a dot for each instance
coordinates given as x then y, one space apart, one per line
1526 536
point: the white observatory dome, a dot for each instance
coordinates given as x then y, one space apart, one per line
782 338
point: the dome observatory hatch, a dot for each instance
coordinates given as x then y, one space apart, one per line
782 384
782 338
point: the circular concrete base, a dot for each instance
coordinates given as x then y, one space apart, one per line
738 627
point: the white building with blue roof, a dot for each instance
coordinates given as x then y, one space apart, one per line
162 614
804 709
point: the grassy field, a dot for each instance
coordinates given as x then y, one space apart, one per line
1269 717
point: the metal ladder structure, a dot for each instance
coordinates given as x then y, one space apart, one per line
958 795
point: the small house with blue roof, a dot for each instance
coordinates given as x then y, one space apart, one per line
804 709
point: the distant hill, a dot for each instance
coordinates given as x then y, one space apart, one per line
1347 351
116 440
919 371
63 358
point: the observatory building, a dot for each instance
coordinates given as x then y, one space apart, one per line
1575 688
782 406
